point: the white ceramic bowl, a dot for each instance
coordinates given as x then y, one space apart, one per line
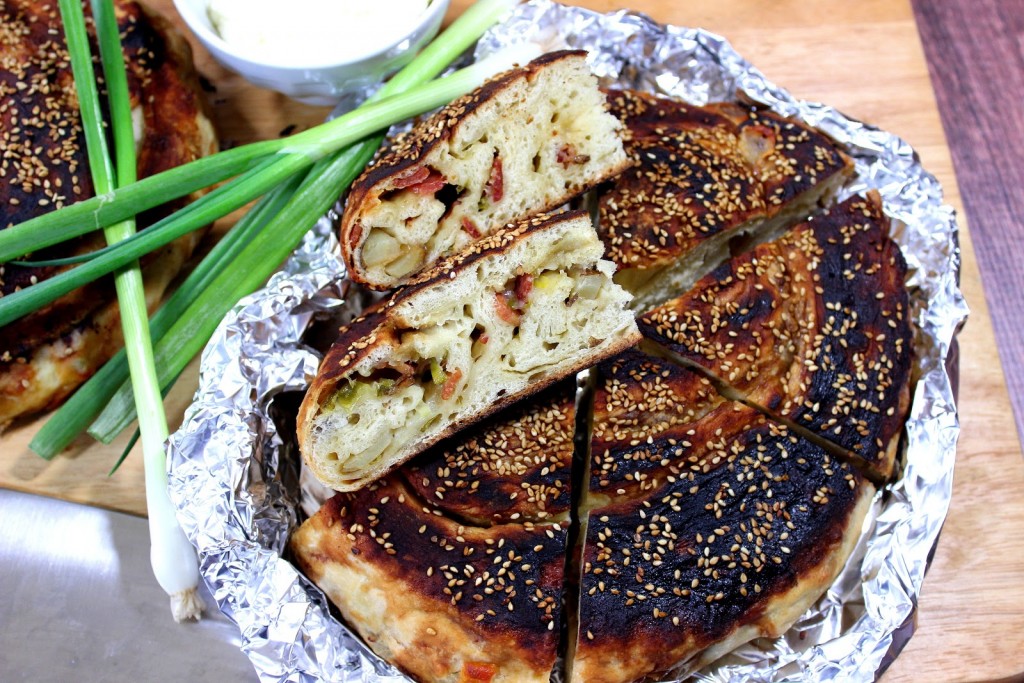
324 83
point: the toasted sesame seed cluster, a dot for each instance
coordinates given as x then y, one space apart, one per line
47 354
813 328
704 177
723 467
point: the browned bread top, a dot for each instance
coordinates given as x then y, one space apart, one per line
513 467
650 418
436 596
814 328
789 156
702 172
736 546
692 179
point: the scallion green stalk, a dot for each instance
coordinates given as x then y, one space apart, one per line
82 407
109 207
172 556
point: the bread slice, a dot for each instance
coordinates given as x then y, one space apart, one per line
814 329
524 308
523 143
706 179
452 567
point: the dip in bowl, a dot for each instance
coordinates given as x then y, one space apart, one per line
314 51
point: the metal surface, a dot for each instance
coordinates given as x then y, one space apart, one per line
78 602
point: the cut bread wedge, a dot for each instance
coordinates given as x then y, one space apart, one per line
452 567
519 311
706 180
814 329
702 532
525 142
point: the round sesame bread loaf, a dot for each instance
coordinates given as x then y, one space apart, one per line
728 460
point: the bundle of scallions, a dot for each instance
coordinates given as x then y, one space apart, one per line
294 181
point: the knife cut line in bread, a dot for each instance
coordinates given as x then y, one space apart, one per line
466 579
706 180
526 142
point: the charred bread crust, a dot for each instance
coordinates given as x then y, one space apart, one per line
691 180
814 328
707 180
46 354
514 467
435 596
648 413
790 156
737 546
409 153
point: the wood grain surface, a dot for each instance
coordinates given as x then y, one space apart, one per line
976 57
866 59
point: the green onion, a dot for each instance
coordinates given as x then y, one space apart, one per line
437 373
79 410
313 199
125 202
172 556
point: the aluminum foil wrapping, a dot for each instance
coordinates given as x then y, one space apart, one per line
234 472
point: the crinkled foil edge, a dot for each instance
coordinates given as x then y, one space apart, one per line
234 476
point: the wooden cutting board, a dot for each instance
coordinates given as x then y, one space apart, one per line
864 58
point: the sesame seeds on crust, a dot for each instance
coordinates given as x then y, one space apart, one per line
468 541
504 577
651 418
515 467
703 172
46 354
667 575
814 328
